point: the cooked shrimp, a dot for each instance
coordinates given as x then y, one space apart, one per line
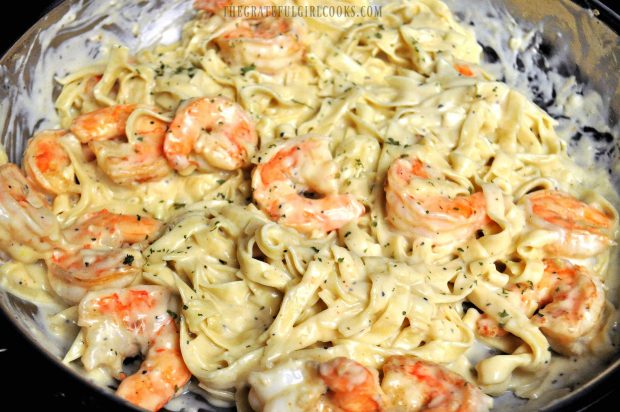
215 130
73 274
121 323
340 384
106 229
269 44
352 387
160 376
124 162
48 165
411 384
103 124
90 84
572 301
569 301
298 167
97 255
422 202
581 229
25 213
211 6
141 161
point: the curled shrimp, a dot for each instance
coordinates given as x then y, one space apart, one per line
121 323
422 202
268 44
567 304
572 301
339 384
106 229
411 384
72 275
103 124
98 255
303 166
48 165
351 386
125 161
25 213
581 229
213 130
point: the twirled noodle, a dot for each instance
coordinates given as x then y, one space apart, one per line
253 292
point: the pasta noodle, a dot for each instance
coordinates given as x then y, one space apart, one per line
254 293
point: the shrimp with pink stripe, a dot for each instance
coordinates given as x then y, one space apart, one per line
100 252
351 386
48 165
572 300
408 384
581 230
268 44
424 203
296 186
106 131
411 384
121 323
567 304
210 132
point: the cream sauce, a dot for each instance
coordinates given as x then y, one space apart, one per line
514 53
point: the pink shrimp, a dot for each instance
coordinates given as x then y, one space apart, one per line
422 203
73 274
352 387
106 229
572 301
103 124
120 323
581 229
123 161
98 254
48 165
568 301
411 384
299 167
215 130
268 44
488 327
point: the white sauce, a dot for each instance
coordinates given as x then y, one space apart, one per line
517 61
82 37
